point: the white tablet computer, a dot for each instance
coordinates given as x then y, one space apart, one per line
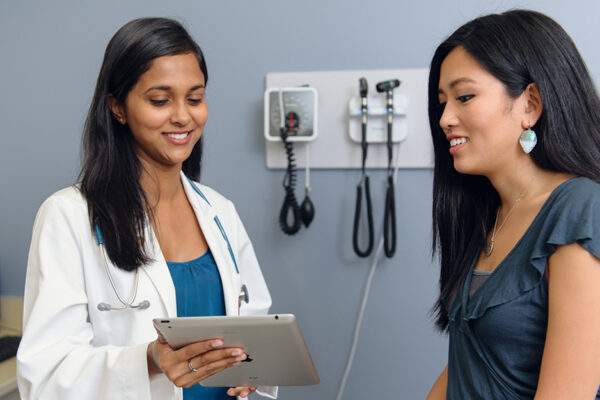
277 354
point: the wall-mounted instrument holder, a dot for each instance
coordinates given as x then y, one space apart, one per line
378 118
339 120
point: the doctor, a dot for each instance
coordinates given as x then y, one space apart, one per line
137 239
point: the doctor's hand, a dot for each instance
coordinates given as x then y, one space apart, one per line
242 391
193 363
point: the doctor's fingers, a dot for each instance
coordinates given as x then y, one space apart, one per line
242 391
205 365
170 360
195 349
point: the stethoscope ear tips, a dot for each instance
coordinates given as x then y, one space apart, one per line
107 307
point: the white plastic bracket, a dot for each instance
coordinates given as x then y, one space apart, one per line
335 147
377 117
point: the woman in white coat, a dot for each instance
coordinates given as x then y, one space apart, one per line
113 252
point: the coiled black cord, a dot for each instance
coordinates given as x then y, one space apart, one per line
389 217
389 220
359 189
290 203
357 212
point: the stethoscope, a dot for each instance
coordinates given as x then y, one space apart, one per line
144 304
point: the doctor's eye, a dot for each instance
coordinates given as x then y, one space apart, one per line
196 100
157 102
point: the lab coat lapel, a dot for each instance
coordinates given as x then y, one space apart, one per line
158 272
205 214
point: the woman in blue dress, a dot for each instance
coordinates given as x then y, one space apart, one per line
515 122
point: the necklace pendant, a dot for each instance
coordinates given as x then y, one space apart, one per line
489 247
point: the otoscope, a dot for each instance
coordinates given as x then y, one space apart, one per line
363 89
389 221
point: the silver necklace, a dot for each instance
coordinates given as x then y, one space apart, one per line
489 247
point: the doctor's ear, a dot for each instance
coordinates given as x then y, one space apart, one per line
533 106
116 109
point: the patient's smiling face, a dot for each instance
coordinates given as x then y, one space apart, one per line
480 120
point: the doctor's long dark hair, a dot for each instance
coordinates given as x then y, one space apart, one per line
518 47
111 170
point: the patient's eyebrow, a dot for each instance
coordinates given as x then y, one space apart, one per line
457 81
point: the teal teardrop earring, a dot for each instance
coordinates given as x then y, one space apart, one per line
528 140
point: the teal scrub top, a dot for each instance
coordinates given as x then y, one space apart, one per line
497 335
199 292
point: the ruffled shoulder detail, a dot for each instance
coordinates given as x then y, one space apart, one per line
571 214
573 218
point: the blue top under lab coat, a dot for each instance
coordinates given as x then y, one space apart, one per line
199 292
497 336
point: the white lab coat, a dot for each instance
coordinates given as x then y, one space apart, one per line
70 349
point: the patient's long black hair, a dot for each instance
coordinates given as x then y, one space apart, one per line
518 47
111 170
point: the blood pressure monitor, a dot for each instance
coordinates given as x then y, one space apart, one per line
299 113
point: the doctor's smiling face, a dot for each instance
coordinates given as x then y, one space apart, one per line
166 110
480 120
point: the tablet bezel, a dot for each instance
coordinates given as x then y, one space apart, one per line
274 343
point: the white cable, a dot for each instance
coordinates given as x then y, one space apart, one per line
307 168
363 303
281 111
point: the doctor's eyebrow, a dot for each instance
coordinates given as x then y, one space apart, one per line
164 87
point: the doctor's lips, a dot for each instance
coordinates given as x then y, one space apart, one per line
178 137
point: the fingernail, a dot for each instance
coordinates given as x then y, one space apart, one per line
236 353
241 358
217 343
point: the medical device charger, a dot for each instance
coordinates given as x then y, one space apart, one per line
389 219
364 181
389 232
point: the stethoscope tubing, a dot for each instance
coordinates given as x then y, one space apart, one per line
144 304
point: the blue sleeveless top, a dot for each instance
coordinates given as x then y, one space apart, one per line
199 292
497 336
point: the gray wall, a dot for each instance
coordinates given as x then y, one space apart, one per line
50 57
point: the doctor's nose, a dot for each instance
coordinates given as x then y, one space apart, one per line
181 115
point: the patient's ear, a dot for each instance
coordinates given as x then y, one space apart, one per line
533 106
